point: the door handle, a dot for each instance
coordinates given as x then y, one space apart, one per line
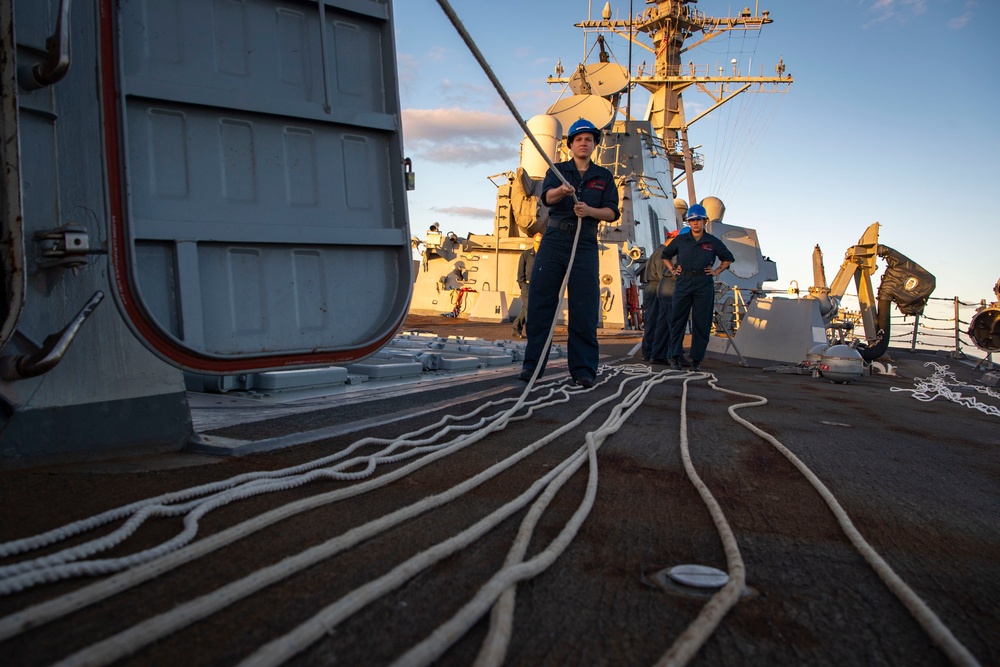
55 66
53 349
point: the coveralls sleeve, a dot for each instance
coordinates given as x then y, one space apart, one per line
551 181
610 198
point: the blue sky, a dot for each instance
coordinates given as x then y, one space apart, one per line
893 117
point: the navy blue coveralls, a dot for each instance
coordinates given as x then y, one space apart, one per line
695 291
597 189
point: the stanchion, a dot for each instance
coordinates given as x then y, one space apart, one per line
718 324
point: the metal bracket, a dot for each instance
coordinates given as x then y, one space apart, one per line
66 247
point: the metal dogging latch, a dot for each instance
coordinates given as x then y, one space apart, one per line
45 357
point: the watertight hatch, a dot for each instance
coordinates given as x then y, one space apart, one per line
262 222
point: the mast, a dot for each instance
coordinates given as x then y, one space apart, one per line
665 27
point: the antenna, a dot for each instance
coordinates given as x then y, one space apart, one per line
628 93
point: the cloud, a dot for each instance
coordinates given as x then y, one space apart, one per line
900 10
466 211
456 136
960 22
439 124
438 54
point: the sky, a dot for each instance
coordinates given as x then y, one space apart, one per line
892 118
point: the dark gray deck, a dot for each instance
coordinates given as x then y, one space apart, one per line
920 481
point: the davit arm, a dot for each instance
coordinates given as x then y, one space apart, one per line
904 282
859 264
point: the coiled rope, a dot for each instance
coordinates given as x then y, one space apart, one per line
939 385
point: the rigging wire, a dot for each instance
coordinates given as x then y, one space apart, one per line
744 125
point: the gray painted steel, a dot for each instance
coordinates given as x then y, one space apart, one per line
108 394
266 196
265 201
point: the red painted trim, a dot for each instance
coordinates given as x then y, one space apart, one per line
118 255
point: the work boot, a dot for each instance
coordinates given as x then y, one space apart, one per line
675 364
695 367
526 373
584 381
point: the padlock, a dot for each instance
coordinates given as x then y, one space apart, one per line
411 178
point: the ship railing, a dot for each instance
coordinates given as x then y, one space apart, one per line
667 148
684 12
937 331
731 304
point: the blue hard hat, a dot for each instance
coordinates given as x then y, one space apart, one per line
696 211
583 125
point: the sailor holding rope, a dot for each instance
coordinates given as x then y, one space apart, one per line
596 200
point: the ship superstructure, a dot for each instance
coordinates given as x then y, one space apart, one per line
650 159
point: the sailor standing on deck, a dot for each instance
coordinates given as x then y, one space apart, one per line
695 292
524 265
657 299
597 194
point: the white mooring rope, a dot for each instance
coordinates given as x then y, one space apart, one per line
939 385
938 631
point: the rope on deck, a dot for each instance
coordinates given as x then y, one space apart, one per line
939 385
937 630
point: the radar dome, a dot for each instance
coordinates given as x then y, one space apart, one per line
548 132
715 208
680 210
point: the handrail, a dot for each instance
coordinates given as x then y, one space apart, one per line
43 359
54 68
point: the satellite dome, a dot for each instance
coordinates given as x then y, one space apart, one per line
680 210
715 208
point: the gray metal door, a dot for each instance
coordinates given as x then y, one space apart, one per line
261 216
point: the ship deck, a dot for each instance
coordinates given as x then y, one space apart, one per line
919 480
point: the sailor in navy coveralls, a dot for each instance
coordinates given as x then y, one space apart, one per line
695 291
597 193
